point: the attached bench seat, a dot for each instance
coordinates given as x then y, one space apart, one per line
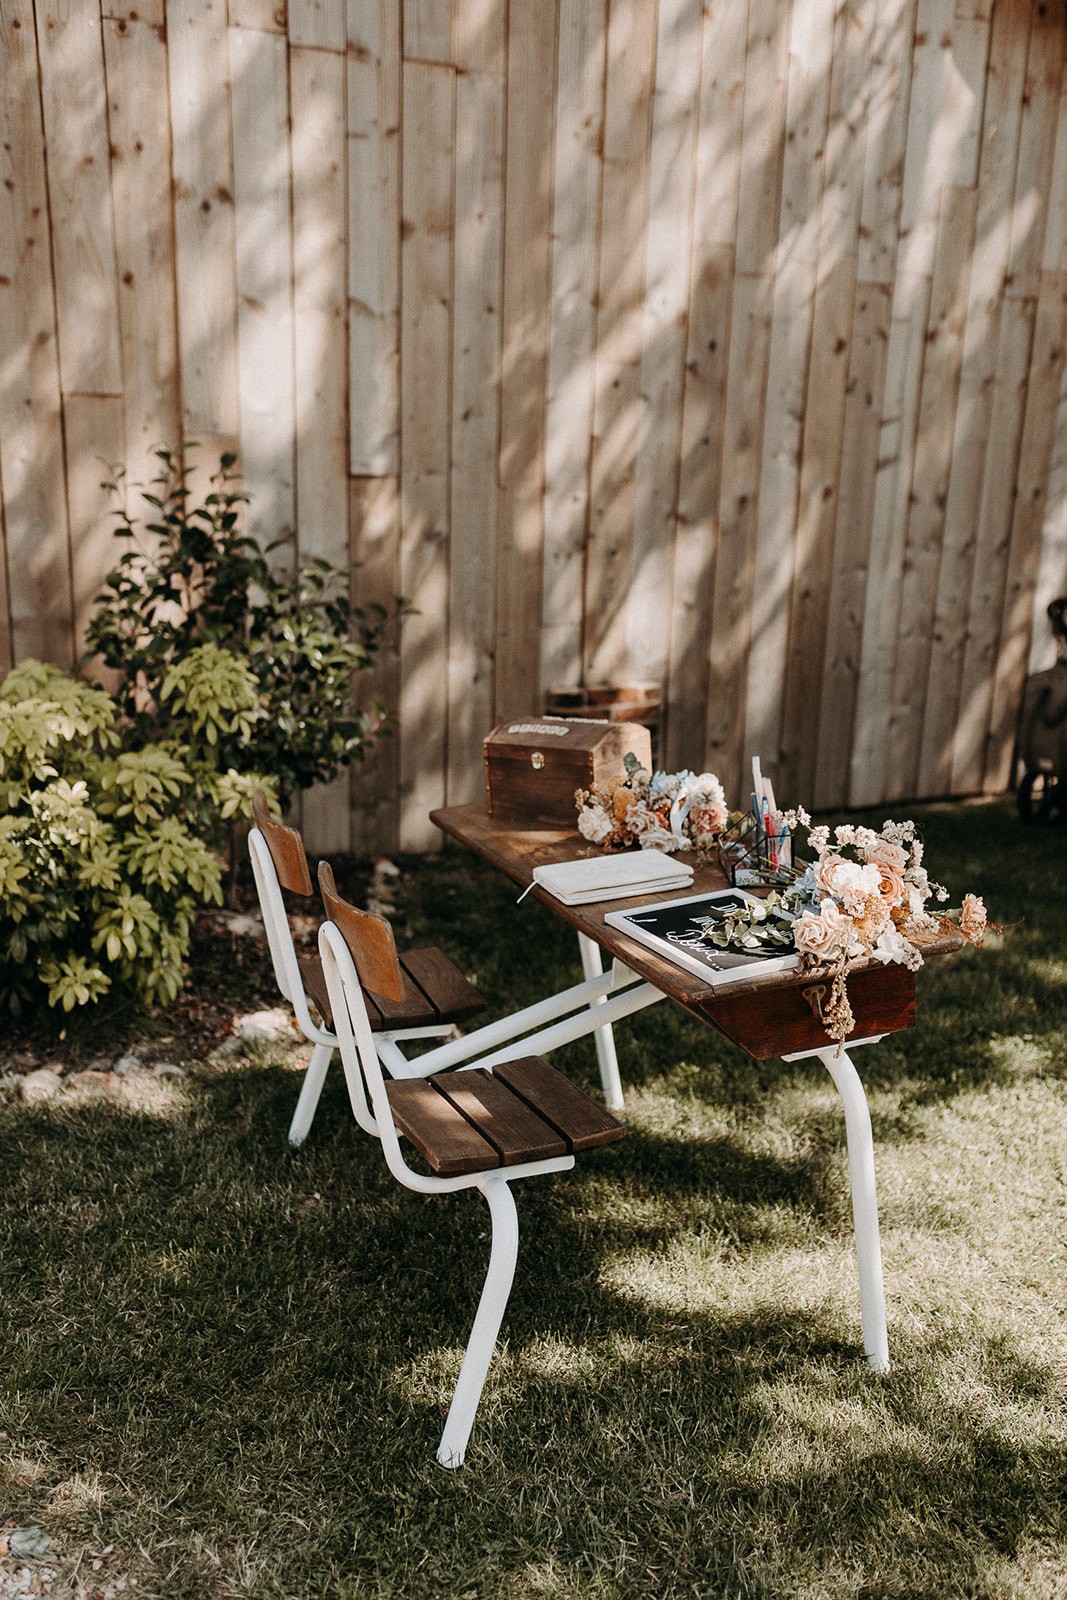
474 1127
474 1120
433 998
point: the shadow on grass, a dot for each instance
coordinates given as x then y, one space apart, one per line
249 1352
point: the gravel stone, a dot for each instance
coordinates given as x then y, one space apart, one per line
41 1084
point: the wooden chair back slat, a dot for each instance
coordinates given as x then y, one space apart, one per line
443 984
286 849
369 938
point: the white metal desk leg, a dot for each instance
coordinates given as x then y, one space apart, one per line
864 1205
604 1038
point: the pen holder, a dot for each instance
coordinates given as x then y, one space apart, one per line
751 857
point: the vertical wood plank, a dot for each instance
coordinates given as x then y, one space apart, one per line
732 599
79 196
630 59
572 330
151 12
373 230
93 432
929 491
965 770
830 554
520 520
1037 560
885 147
717 181
31 438
663 337
317 24
139 123
855 558
978 382
889 518
263 236
320 304
265 16
475 425
428 30
198 59
783 545
478 36
319 193
426 329
762 135
374 521
1037 149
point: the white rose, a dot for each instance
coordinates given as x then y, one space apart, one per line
594 824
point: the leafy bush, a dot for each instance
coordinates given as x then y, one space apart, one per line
190 579
104 852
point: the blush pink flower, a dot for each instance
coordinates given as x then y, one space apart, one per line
824 934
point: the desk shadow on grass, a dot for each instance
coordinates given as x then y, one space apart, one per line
253 1349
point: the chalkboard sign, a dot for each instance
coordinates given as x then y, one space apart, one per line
673 929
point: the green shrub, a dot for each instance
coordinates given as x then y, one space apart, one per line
105 853
191 578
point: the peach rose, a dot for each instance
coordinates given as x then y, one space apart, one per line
823 934
884 854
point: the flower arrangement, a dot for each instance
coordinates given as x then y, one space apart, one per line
665 811
865 893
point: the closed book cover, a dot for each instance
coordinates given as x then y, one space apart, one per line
612 877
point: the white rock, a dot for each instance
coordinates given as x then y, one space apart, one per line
41 1084
230 1047
167 1069
127 1063
272 1026
249 925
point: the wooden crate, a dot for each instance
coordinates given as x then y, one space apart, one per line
534 765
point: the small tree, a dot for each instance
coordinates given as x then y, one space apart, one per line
192 578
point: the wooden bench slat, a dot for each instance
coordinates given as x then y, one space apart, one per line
413 1011
580 1120
438 1131
452 997
314 980
510 1124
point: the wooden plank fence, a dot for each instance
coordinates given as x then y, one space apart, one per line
719 345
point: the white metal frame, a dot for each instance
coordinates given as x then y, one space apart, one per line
290 983
366 1090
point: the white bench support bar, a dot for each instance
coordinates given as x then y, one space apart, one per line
582 998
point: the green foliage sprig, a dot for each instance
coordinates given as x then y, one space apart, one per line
103 858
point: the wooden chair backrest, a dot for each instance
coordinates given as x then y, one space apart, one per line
369 938
286 849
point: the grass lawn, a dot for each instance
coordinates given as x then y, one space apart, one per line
226 1364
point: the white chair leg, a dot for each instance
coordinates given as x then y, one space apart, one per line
864 1205
503 1254
310 1090
604 1038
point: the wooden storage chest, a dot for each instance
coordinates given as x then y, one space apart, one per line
533 765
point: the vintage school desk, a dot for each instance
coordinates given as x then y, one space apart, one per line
773 1015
